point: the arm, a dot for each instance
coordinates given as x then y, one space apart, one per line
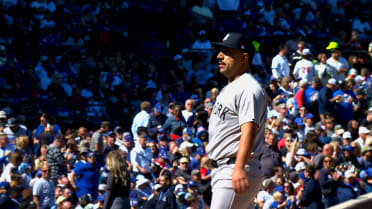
36 201
108 196
239 178
72 180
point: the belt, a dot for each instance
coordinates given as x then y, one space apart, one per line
215 164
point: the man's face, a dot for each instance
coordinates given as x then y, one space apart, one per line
143 141
184 166
164 181
230 62
3 140
45 171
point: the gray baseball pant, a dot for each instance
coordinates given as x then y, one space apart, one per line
224 197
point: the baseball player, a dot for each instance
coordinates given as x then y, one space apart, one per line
236 128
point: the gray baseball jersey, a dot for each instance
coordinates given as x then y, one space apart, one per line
241 101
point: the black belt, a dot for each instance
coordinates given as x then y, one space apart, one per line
229 162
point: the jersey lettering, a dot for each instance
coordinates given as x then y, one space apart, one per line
220 111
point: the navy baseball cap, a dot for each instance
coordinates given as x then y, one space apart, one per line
4 185
192 183
163 154
91 154
237 41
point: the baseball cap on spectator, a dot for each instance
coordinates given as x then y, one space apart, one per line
4 185
12 122
202 33
83 149
266 183
60 199
303 83
332 81
200 151
101 187
363 130
141 181
186 144
187 131
346 135
157 187
177 57
279 188
118 129
332 45
348 148
179 188
366 173
195 97
302 152
62 186
86 197
163 154
91 154
159 107
195 172
366 148
299 122
353 71
293 176
349 174
306 52
184 160
309 116
127 137
192 183
101 198
300 167
109 133
2 114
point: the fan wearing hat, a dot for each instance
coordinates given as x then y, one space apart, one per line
183 173
304 68
84 177
363 132
14 130
236 126
326 99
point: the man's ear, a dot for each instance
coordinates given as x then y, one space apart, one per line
245 57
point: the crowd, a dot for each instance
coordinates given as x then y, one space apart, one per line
106 104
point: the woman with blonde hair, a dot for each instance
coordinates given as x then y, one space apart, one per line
14 161
205 168
118 186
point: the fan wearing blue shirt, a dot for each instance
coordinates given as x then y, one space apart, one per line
84 177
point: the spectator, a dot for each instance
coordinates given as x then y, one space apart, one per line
141 157
117 190
169 199
96 144
311 196
328 179
271 156
84 177
297 55
304 68
141 119
11 168
55 159
279 65
175 123
43 190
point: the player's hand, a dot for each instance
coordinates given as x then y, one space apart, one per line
240 182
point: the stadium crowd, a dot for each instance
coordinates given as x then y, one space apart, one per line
123 90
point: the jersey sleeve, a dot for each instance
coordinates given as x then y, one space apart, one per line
250 106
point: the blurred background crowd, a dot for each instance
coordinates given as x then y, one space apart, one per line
85 82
